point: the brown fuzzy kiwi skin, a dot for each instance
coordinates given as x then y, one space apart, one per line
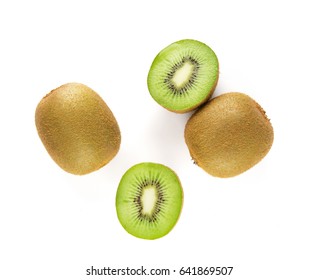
77 128
229 135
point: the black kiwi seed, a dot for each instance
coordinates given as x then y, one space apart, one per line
187 86
159 202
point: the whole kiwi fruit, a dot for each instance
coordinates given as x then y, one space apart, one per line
229 134
183 75
149 200
77 128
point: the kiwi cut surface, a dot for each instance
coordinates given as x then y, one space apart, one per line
183 75
77 128
149 200
229 135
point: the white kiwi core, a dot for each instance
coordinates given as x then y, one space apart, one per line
148 200
183 75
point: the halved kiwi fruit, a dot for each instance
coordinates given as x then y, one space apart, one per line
183 75
149 200
229 135
77 128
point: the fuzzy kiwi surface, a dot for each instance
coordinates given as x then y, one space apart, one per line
77 128
149 200
229 135
183 75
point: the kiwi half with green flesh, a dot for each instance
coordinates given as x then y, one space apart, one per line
149 200
229 135
183 75
77 128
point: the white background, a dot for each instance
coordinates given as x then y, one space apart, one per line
55 225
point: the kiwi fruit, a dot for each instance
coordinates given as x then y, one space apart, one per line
149 200
183 75
229 135
77 128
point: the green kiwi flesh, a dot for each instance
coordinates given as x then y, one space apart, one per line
77 128
149 200
229 135
183 75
